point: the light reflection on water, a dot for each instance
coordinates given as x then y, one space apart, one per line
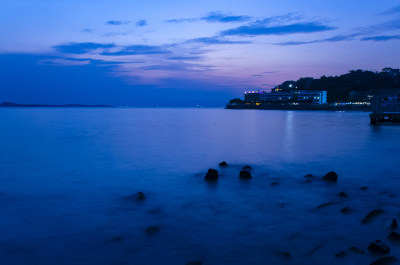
64 174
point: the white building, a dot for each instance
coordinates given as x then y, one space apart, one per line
296 96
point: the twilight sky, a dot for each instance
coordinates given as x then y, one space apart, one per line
183 53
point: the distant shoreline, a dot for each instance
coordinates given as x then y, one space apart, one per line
300 107
13 105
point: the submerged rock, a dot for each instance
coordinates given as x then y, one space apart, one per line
152 230
371 215
223 164
193 263
284 254
244 174
385 261
308 181
343 195
363 188
346 210
394 224
331 177
394 236
136 197
309 176
275 183
341 254
326 204
379 247
356 250
247 168
117 239
212 175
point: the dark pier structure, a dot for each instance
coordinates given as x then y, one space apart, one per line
386 107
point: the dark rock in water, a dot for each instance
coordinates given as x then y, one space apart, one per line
140 196
363 188
244 174
223 164
371 215
247 168
117 239
394 236
136 197
212 175
341 254
281 205
284 254
378 247
346 210
356 250
155 210
152 230
275 183
343 195
394 224
309 176
325 205
193 263
331 176
385 261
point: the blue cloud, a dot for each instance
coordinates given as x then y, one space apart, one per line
216 40
117 22
257 29
141 23
332 39
113 34
214 17
392 11
224 18
138 49
170 67
86 47
87 30
278 20
82 47
93 84
191 58
381 38
181 20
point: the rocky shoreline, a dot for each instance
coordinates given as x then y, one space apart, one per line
378 249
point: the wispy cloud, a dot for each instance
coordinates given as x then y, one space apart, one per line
214 17
224 18
87 30
257 29
181 20
117 22
216 40
141 23
137 49
381 38
109 49
113 34
337 38
279 20
391 11
82 47
184 58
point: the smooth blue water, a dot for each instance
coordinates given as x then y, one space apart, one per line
64 175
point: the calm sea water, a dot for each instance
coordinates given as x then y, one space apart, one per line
65 173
